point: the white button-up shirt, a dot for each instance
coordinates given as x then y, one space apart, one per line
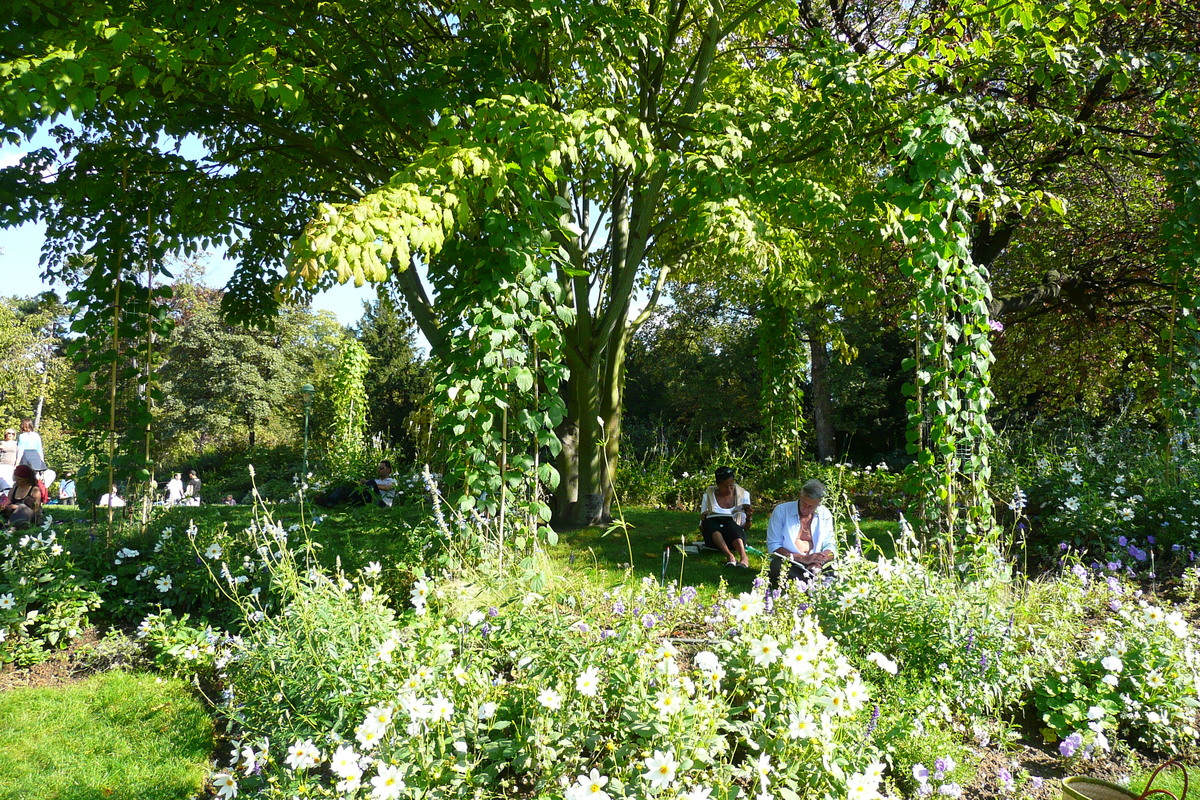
784 527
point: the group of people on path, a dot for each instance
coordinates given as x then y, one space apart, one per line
799 533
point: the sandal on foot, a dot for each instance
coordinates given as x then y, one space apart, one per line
731 563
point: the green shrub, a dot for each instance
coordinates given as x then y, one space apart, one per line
44 601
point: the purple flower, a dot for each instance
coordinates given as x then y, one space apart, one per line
1063 546
618 608
1035 783
1140 555
485 629
920 772
1114 604
758 582
1122 541
648 620
1080 571
1069 745
996 325
608 633
1114 585
941 764
1113 566
493 611
1175 548
1151 539
874 721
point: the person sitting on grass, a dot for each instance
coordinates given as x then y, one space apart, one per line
725 516
800 533
381 488
24 506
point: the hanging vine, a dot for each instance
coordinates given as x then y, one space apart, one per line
1179 357
948 400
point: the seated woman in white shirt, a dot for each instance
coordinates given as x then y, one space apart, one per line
725 516
801 533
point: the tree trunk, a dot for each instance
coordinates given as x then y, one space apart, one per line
821 396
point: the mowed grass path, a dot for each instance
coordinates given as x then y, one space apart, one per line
118 735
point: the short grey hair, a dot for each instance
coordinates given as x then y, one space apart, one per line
813 490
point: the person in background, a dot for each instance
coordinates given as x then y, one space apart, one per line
175 489
229 501
8 455
800 533
29 447
24 506
111 498
725 516
381 488
66 489
191 489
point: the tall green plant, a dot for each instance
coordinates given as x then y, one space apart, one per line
349 395
948 430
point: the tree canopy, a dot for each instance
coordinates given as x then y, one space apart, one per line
517 172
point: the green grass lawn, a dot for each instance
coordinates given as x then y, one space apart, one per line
117 735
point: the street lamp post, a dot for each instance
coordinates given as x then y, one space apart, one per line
307 390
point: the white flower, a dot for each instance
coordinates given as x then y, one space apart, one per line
550 699
372 570
388 784
884 663
660 769
588 786
697 793
746 607
1071 504
707 662
163 584
303 755
225 785
861 787
1096 712
764 651
7 602
368 735
588 682
800 659
213 552
1111 663
191 652
801 726
487 711
667 704
475 617
441 709
344 763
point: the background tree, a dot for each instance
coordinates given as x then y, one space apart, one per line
399 378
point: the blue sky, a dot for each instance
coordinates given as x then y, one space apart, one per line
21 247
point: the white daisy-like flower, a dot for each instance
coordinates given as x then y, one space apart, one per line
303 755
588 682
164 583
388 783
441 709
213 552
660 769
667 704
550 699
588 786
225 785
884 663
345 763
764 651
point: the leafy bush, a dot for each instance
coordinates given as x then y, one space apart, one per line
44 603
541 692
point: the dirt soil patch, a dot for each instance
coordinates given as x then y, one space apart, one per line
62 667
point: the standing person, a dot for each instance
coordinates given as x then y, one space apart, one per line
725 516
29 447
175 489
801 533
8 455
191 490
24 505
